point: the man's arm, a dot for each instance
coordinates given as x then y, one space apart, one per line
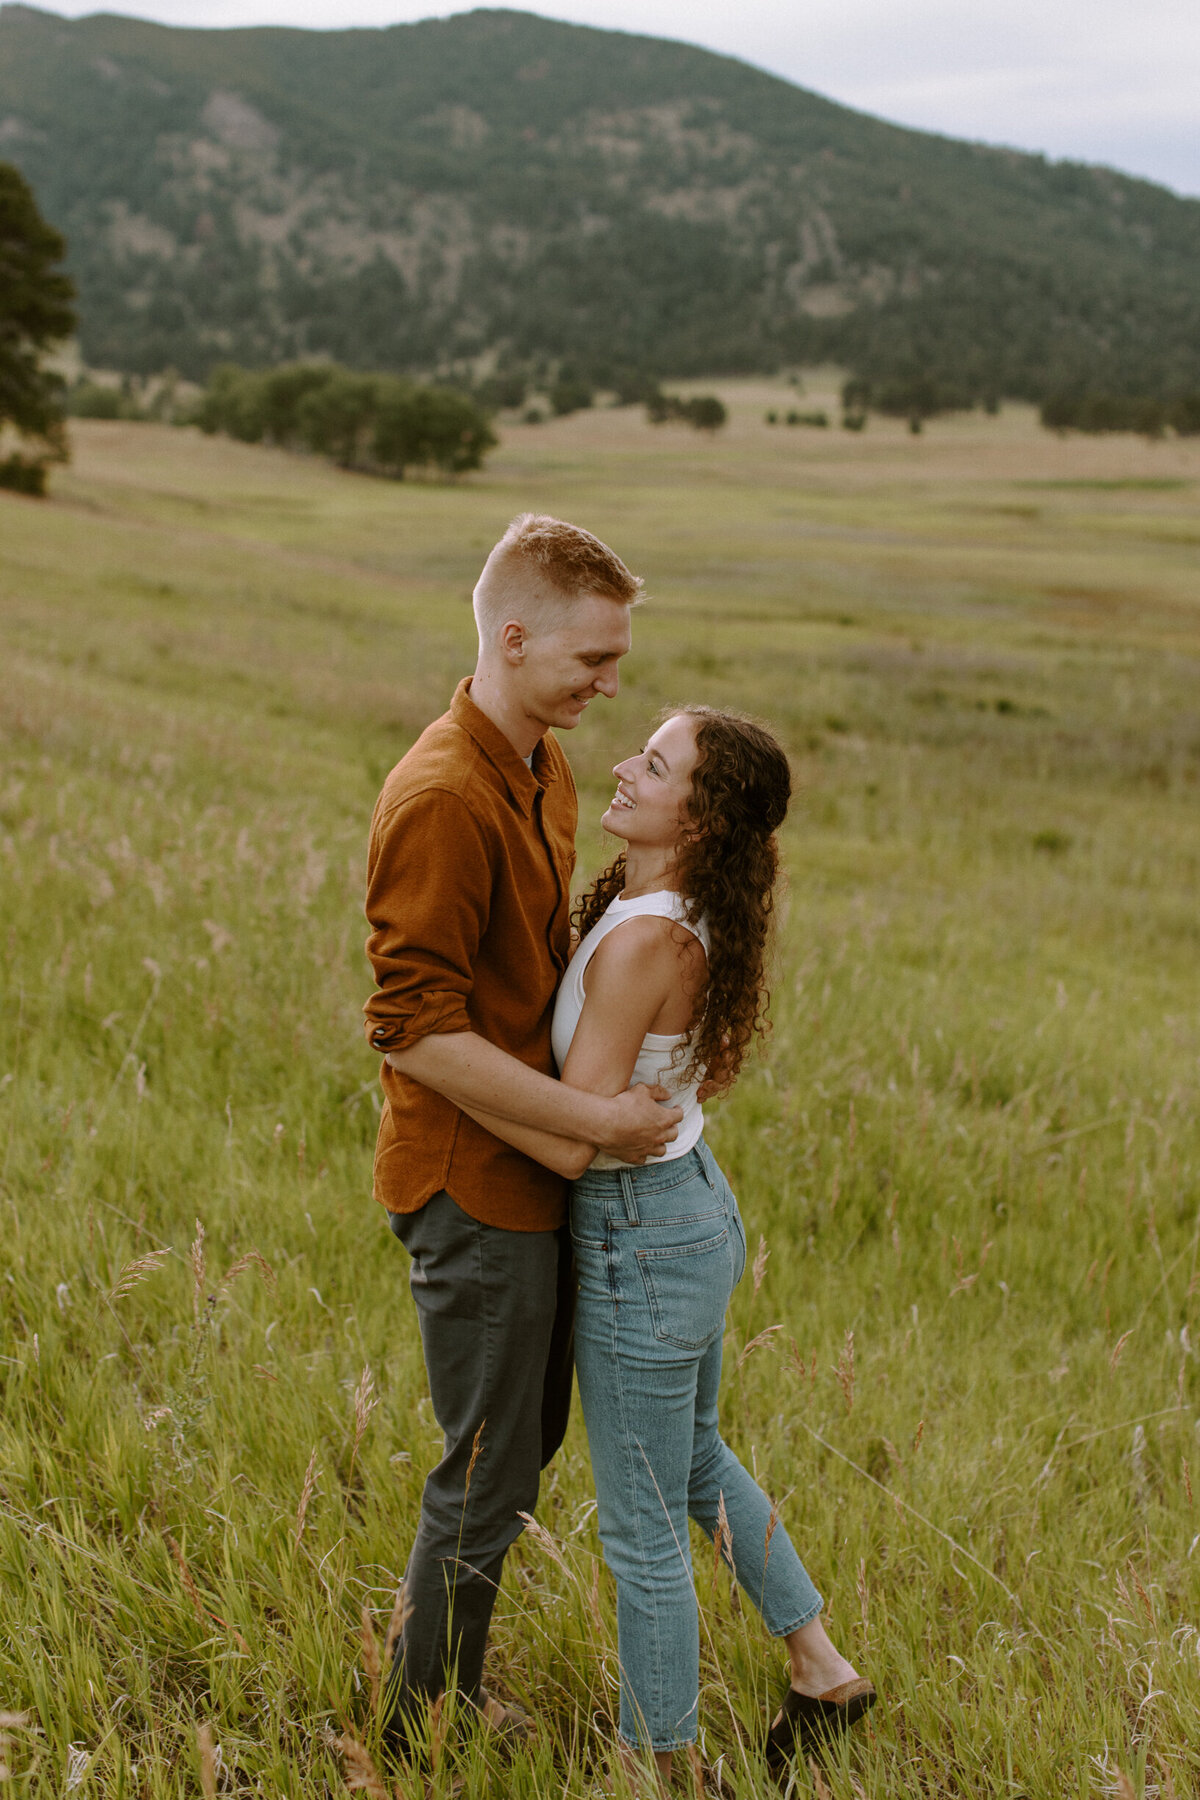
428 909
566 1156
478 1077
424 939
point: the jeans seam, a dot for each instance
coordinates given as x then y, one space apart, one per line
627 1442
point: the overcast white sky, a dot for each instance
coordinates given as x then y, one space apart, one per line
1113 81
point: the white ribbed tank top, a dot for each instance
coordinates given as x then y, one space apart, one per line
654 1063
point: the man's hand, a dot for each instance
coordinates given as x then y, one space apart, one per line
641 1126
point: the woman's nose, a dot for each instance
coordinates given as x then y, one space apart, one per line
621 769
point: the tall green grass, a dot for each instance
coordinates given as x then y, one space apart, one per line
966 1361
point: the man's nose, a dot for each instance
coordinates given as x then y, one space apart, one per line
607 682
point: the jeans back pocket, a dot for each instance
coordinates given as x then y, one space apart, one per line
687 1289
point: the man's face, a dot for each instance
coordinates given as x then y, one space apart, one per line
562 670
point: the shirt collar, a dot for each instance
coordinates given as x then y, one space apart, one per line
523 782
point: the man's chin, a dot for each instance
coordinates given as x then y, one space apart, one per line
567 716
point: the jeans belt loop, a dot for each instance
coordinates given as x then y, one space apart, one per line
629 1196
703 1155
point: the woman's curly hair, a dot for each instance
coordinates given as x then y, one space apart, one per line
725 867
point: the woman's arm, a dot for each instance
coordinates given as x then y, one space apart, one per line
626 982
636 971
642 978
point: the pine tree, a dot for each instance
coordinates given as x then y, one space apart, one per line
35 312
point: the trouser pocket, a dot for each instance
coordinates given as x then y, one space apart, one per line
687 1289
739 1242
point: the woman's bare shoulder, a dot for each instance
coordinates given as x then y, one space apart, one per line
649 948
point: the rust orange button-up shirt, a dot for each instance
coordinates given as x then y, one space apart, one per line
468 899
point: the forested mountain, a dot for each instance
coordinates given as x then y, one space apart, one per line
404 198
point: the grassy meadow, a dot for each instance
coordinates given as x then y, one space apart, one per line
965 1363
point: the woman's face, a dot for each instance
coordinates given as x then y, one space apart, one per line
649 808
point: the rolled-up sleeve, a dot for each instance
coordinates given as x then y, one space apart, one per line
428 898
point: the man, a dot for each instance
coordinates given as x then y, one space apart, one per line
468 898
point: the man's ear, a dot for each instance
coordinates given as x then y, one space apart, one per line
512 641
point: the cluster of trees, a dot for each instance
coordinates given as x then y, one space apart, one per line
154 401
819 419
915 395
35 313
568 386
1081 410
379 423
704 411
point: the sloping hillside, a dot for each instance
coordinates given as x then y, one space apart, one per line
410 196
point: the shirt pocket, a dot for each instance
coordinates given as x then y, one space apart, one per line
687 1290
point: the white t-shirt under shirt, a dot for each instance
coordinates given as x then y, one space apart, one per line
657 1063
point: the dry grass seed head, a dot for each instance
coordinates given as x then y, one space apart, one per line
306 1494
365 1402
199 1269
189 1582
372 1667
9 1721
401 1611
756 1343
845 1371
476 1453
696 1771
438 1726
361 1774
250 1259
546 1540
722 1537
208 1762
137 1271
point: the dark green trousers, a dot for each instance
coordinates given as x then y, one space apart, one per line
496 1312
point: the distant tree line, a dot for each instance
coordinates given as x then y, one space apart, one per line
1083 410
572 387
915 396
382 424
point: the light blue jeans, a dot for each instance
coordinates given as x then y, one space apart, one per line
659 1250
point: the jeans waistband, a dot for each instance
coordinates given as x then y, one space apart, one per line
643 1178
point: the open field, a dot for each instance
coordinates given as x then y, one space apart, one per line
973 1153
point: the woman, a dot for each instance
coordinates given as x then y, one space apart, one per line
667 983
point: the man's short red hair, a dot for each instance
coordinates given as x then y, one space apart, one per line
568 557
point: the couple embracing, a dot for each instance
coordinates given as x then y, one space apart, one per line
541 1152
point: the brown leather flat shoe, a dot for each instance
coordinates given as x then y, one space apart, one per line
508 1721
808 1723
